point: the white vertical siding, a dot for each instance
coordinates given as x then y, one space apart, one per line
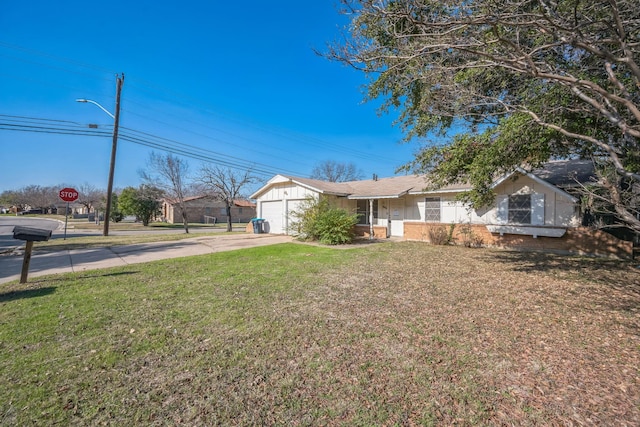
454 211
548 206
287 191
537 209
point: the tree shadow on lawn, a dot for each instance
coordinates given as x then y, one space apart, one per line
620 277
621 273
26 293
83 275
34 292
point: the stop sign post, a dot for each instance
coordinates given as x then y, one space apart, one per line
68 194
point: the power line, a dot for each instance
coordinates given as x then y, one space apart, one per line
32 119
53 126
173 96
178 98
187 146
284 134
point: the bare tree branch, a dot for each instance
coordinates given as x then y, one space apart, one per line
225 184
169 173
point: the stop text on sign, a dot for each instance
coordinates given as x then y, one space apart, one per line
69 194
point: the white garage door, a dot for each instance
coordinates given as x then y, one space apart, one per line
273 215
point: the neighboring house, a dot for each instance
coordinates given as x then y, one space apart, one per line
76 209
207 210
535 210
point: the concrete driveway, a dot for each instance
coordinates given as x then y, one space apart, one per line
90 259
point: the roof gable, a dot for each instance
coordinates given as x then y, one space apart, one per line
316 185
535 178
553 175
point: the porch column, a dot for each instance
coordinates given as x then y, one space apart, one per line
370 219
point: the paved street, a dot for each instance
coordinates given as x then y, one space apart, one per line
8 222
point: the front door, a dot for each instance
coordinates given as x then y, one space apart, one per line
397 218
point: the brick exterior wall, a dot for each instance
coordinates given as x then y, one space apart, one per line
379 232
582 240
198 208
196 214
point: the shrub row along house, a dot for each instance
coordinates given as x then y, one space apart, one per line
536 210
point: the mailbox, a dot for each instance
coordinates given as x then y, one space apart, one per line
31 234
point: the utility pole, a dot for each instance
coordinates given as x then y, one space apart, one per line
114 146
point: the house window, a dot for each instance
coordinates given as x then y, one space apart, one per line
520 209
432 209
363 211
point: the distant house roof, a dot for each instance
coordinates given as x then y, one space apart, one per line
559 174
237 202
244 203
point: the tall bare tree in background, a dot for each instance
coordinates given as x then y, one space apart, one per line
332 171
170 174
90 197
32 197
39 197
225 184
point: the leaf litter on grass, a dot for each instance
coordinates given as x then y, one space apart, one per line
394 334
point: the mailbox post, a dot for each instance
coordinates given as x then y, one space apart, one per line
30 235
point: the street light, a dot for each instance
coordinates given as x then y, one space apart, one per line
114 146
98 105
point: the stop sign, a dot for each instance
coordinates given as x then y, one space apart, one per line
68 194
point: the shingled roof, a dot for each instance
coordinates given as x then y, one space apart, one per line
566 173
560 174
381 188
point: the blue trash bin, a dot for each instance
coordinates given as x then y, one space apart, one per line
257 225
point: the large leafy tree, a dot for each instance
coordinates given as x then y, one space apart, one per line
528 80
143 202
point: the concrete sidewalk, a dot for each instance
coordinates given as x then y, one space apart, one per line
90 259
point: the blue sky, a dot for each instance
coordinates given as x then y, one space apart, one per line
237 79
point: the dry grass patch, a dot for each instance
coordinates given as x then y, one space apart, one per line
389 334
489 337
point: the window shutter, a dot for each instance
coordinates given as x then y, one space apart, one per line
502 214
537 209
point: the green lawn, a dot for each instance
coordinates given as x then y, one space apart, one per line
384 334
87 242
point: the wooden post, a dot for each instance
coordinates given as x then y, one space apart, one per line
114 147
26 261
370 219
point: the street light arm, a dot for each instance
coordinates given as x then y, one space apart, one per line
97 105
